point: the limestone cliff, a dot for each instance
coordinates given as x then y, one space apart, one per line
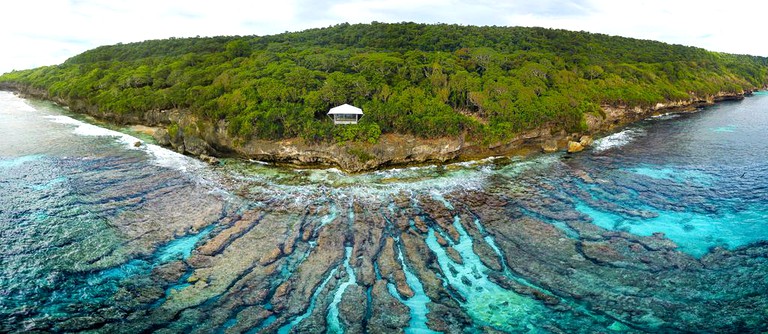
186 133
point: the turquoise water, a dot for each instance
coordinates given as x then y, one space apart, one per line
703 188
486 301
417 304
334 325
181 247
659 227
285 329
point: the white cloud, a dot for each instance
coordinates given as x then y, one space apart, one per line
713 25
35 32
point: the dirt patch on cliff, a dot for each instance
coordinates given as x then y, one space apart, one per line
147 130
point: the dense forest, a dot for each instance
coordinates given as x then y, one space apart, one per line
489 83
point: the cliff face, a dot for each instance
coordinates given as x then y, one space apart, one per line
186 133
617 116
197 137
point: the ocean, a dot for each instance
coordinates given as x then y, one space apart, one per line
658 227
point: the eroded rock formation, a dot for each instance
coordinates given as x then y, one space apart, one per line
188 134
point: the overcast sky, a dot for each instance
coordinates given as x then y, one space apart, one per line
36 32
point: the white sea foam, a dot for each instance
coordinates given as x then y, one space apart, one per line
666 116
23 106
160 156
8 98
373 186
616 140
264 163
471 163
164 157
85 129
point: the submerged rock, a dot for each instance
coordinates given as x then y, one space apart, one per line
549 146
391 269
586 141
388 315
352 309
271 256
209 159
574 147
454 255
170 272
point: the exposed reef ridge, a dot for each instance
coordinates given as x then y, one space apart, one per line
188 134
464 261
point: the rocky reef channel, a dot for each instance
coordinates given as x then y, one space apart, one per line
497 251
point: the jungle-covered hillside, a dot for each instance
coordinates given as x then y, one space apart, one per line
489 83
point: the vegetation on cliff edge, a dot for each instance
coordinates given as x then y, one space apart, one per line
489 83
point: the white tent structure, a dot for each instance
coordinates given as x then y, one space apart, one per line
345 114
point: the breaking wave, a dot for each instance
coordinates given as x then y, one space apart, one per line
617 140
160 156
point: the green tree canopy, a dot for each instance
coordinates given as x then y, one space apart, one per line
425 80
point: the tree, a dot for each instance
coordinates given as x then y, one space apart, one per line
237 48
436 80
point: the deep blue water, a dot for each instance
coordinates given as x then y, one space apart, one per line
702 175
85 215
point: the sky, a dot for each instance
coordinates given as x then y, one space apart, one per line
36 33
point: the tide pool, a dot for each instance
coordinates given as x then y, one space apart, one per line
486 301
694 233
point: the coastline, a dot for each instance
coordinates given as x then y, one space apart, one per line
192 136
463 246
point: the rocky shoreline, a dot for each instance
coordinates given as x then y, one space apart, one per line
187 134
510 250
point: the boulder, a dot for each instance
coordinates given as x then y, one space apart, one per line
574 147
162 137
594 121
195 145
209 159
586 140
549 146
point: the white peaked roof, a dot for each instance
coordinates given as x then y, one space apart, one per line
345 109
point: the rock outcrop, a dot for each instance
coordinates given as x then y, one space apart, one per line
578 146
549 146
574 146
586 140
